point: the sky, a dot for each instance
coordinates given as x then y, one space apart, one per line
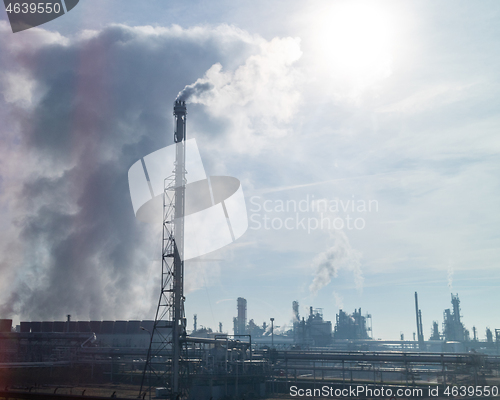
365 135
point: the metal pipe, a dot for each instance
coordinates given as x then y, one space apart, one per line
272 332
180 191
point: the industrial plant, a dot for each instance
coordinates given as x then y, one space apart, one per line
254 360
161 358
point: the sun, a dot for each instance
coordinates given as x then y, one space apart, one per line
353 41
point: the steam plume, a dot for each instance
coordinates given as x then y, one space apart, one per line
73 122
340 255
339 300
450 275
194 90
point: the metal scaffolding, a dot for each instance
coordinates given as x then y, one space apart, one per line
163 367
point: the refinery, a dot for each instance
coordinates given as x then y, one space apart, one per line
253 360
161 358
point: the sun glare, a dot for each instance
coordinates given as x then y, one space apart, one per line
353 41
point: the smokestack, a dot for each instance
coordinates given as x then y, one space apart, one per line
416 313
180 112
295 307
420 334
421 338
178 328
242 315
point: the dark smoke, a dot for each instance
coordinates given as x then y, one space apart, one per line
195 89
70 243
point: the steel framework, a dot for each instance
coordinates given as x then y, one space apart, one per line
166 371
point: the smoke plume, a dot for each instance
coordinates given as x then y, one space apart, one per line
76 113
450 275
339 256
339 300
194 90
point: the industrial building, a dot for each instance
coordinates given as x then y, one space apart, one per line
453 329
352 326
240 322
311 332
219 365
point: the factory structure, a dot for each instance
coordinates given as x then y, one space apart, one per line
354 331
453 329
352 326
161 358
310 331
256 359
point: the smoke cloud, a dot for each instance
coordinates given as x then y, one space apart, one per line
339 256
194 90
277 329
339 300
76 113
259 96
450 275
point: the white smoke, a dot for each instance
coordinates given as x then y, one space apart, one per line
281 329
339 256
339 300
259 96
195 90
451 271
64 157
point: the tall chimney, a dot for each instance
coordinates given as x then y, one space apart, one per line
178 328
242 315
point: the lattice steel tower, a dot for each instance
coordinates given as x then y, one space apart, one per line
163 366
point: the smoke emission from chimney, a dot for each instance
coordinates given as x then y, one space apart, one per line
339 300
339 256
70 242
195 89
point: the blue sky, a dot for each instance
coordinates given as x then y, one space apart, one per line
335 101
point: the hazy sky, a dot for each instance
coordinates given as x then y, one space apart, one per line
381 116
